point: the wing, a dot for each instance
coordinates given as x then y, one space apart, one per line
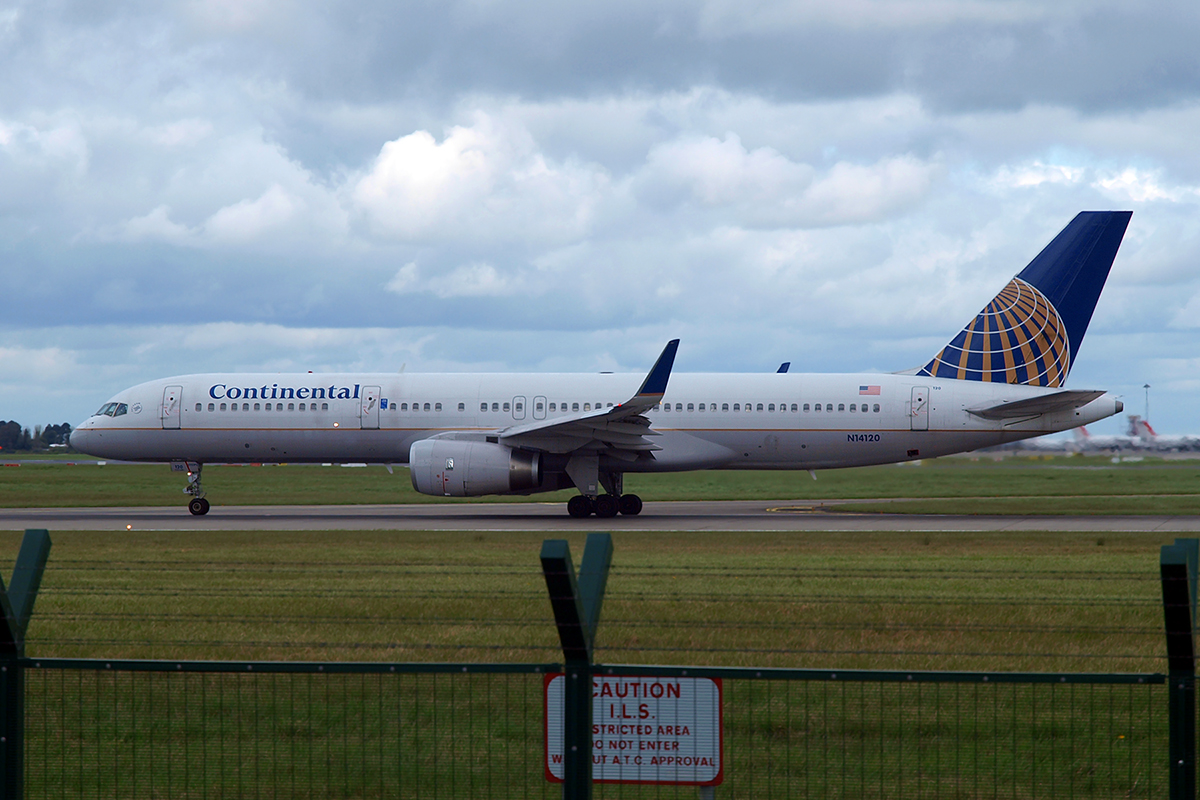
619 431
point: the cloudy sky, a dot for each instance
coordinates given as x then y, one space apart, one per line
203 185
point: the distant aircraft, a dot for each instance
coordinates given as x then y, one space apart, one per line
1140 430
999 380
1085 442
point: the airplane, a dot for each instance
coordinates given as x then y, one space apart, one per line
1150 439
999 380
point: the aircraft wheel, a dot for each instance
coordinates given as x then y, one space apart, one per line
198 506
630 505
607 506
579 506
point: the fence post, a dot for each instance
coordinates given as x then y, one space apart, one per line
576 605
1178 565
16 606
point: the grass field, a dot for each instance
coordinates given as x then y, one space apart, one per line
1079 485
1027 601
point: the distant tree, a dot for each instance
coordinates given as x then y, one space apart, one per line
10 436
56 434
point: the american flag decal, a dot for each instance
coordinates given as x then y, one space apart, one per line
868 390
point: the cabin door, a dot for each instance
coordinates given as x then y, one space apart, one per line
172 404
370 407
919 408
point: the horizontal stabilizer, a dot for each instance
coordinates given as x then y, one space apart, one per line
1033 406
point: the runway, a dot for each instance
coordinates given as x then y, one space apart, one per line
800 515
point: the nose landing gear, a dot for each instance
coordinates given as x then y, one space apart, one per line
198 506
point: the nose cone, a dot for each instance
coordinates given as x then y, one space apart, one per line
79 439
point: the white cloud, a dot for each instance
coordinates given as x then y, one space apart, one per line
248 220
1140 186
485 181
1034 174
155 226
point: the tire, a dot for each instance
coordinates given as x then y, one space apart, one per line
607 506
198 506
630 505
579 507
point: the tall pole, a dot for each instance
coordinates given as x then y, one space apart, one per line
1146 414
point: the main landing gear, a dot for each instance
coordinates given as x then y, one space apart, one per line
197 505
605 506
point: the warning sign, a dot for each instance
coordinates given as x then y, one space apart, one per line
644 730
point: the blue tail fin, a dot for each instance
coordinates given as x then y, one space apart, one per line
1031 331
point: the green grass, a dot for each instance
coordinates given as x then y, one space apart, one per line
1069 485
1015 601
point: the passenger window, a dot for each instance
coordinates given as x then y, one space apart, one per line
302 407
770 407
483 406
553 406
691 407
876 409
291 406
666 407
437 406
222 406
427 406
519 408
864 408
199 407
257 407
246 406
817 407
496 407
794 407
587 406
537 407
702 406
574 406
749 406
841 406
853 407
212 407
462 406
806 407
724 406
324 406
737 406
760 408
608 406
829 406
506 407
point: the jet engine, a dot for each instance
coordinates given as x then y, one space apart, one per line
456 468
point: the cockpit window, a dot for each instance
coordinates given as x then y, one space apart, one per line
112 410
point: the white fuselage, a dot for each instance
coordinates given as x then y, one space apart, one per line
714 421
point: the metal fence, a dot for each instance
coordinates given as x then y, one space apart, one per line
141 729
270 729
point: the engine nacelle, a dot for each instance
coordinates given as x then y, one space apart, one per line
454 468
